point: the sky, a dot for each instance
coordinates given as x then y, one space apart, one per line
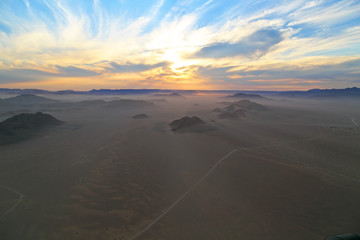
185 44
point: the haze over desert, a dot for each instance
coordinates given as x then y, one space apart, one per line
179 120
287 167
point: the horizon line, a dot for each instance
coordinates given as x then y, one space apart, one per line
167 89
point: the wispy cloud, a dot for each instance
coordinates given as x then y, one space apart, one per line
231 44
255 45
296 76
71 71
129 67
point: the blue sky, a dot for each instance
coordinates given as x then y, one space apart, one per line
249 45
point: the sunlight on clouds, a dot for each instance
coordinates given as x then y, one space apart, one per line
69 45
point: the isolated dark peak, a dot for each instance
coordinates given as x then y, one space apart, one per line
24 126
140 116
185 122
30 121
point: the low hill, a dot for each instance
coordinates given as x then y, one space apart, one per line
190 124
247 105
245 95
28 99
25 125
238 109
185 122
140 116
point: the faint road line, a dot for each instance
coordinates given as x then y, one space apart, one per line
353 120
211 170
20 199
184 194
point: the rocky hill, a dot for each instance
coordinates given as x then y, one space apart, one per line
238 109
185 123
247 105
25 125
140 116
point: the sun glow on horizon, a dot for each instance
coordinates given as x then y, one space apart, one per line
179 44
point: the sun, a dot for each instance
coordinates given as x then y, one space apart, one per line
179 65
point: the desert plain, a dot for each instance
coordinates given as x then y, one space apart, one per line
291 171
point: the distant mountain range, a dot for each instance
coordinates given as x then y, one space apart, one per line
323 93
346 92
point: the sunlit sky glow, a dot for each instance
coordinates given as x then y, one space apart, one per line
185 44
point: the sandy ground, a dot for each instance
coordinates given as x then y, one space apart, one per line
104 175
